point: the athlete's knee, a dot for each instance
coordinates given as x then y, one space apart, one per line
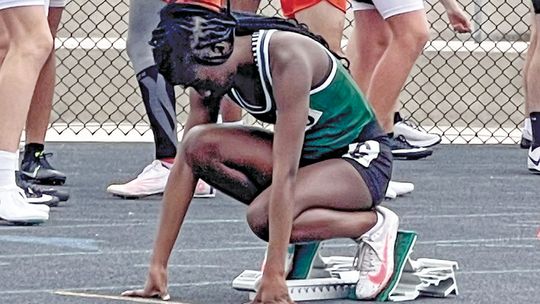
413 39
257 221
35 49
199 147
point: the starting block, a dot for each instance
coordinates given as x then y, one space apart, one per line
314 277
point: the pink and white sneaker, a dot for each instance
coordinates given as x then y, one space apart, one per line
150 181
204 190
375 256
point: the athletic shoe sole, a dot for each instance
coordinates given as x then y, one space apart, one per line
424 144
57 181
412 155
134 196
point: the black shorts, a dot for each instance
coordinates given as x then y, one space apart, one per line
536 5
373 160
371 156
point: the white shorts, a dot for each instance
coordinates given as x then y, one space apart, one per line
4 4
389 8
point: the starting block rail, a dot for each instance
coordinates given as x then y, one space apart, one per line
326 278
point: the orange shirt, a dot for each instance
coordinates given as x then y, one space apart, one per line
291 7
214 5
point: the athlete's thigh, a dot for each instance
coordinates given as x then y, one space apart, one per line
330 184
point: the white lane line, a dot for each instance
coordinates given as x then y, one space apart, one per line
136 223
143 222
500 271
485 245
117 298
470 215
128 252
4 264
186 266
106 288
233 249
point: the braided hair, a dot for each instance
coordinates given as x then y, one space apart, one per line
190 34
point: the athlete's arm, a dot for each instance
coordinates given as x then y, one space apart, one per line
456 16
292 78
176 200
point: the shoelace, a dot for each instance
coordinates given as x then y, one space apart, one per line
409 122
359 262
149 168
42 158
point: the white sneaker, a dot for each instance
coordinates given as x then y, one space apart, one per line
526 137
204 190
415 135
152 180
396 189
533 161
375 256
390 193
14 207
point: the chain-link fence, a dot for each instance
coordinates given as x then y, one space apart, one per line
466 87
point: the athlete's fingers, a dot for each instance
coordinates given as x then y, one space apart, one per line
141 293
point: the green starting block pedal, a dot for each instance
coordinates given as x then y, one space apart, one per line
415 278
314 277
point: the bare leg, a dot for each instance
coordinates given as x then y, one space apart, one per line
245 5
409 35
41 105
326 20
369 40
530 53
533 78
238 161
30 45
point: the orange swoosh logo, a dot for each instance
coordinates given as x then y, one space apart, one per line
380 276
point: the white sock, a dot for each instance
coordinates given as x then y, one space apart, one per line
527 124
8 165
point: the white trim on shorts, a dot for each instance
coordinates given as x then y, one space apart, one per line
5 4
57 3
389 8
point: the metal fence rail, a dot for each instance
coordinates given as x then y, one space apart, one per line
466 87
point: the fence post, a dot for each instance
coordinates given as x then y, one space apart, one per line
478 19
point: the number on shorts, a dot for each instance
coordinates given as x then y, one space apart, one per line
364 153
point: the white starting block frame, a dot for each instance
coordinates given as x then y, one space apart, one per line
335 278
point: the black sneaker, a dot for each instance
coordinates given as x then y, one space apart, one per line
34 195
401 149
37 169
62 196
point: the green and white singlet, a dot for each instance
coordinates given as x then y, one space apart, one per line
338 111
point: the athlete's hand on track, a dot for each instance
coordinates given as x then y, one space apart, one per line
273 290
459 21
155 287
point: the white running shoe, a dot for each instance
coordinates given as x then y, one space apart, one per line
401 188
533 160
526 137
15 208
390 193
204 190
414 134
152 180
375 256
